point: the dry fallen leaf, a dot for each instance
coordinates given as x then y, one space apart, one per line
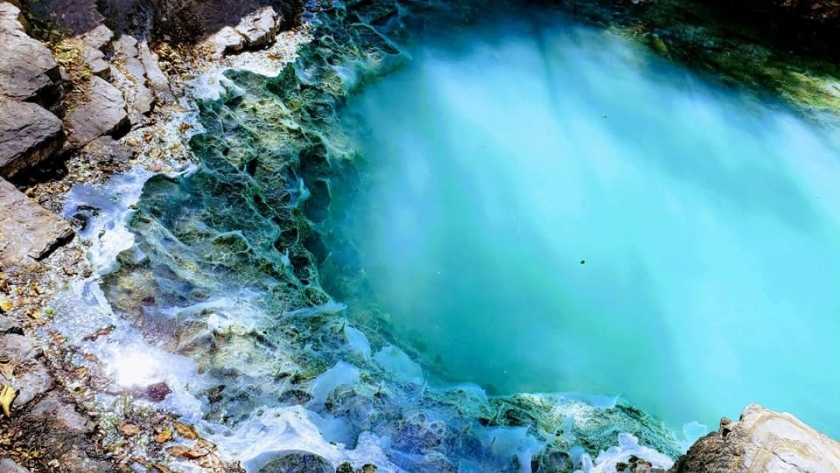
186 431
7 395
161 468
34 313
186 452
5 304
7 370
99 333
129 430
164 436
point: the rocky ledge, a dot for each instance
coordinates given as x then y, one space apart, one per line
762 441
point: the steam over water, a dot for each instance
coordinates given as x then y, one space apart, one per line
547 209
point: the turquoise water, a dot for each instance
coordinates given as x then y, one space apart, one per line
545 208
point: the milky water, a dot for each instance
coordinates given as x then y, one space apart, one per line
548 209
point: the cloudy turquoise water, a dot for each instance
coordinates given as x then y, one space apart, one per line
498 194
545 208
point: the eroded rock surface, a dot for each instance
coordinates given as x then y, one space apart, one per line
28 135
29 232
762 441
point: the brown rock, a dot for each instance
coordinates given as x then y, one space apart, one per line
762 441
29 232
101 113
28 135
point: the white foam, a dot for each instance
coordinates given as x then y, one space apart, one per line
107 231
628 446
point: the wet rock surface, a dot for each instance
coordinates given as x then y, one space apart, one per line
762 441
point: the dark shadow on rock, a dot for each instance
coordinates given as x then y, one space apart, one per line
180 21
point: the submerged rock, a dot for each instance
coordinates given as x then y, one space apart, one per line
761 441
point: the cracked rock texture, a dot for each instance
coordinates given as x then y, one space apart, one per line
762 441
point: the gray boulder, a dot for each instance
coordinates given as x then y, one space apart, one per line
27 67
101 112
28 232
28 135
762 441
130 77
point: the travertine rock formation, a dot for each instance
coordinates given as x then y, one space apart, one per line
762 441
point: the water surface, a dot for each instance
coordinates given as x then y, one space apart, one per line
548 209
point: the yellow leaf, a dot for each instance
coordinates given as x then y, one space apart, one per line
164 436
7 395
7 370
5 304
184 430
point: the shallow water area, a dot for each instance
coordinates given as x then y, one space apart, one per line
546 208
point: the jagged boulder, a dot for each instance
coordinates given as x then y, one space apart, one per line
27 68
28 135
28 232
762 441
101 112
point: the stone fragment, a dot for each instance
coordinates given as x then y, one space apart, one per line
130 77
102 112
27 67
254 30
29 232
155 78
106 150
259 28
32 380
298 463
9 466
762 441
92 44
60 416
29 134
